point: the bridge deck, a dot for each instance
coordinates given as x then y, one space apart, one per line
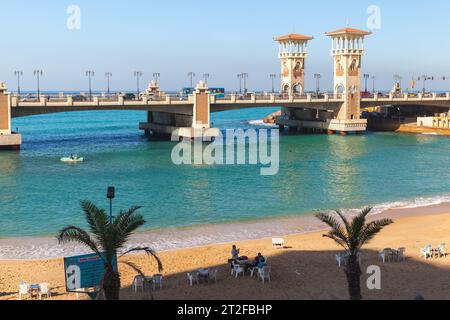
173 104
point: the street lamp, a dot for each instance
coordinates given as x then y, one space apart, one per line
137 74
273 76
108 76
374 79
156 76
245 77
38 74
398 79
191 75
317 76
366 78
111 194
425 78
240 82
18 74
206 77
90 74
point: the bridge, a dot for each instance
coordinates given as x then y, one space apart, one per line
336 112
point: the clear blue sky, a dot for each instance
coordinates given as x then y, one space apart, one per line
218 37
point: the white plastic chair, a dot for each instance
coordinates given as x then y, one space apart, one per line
138 283
157 281
426 252
341 259
254 271
401 254
213 275
237 270
441 250
45 290
264 274
24 290
192 279
278 242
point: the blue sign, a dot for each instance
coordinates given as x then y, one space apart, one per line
85 272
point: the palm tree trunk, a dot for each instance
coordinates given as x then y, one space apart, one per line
353 272
111 284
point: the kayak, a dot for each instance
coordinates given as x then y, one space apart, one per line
72 160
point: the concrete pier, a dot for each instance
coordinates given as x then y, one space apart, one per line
167 125
8 140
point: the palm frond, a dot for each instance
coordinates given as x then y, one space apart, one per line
359 222
150 252
372 229
344 221
135 267
74 234
97 218
339 241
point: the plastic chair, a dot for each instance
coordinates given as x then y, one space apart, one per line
426 252
24 290
157 281
193 279
138 283
264 274
45 291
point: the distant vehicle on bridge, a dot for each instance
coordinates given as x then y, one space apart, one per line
129 96
218 92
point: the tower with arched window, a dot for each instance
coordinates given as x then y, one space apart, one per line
347 51
293 53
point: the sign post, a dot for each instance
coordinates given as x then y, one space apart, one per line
85 272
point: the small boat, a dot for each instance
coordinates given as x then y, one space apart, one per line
72 159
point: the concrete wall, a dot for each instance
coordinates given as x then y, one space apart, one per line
5 119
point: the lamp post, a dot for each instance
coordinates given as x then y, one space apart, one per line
240 82
273 76
156 76
425 78
206 77
111 194
374 79
245 77
108 76
138 75
317 76
38 74
366 78
191 75
18 74
90 74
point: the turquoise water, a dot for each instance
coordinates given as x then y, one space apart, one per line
39 194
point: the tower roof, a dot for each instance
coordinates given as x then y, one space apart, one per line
294 37
349 31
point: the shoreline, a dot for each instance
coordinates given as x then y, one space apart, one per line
192 237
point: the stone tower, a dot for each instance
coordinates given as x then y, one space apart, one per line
293 53
347 52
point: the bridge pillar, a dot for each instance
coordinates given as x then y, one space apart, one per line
347 51
8 140
181 126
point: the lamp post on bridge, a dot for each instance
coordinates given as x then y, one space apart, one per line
156 76
138 75
206 77
38 74
374 79
425 78
18 74
245 77
366 78
90 74
239 76
191 75
273 76
108 76
317 76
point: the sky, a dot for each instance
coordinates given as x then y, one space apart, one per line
222 38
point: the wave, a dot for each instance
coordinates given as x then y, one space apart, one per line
261 123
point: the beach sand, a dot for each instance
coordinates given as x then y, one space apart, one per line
305 269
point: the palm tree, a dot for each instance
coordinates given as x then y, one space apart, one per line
106 237
352 236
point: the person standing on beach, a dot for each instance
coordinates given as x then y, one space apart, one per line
235 253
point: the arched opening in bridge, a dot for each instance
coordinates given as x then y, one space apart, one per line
297 90
340 89
285 90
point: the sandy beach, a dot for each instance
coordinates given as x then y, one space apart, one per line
305 269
